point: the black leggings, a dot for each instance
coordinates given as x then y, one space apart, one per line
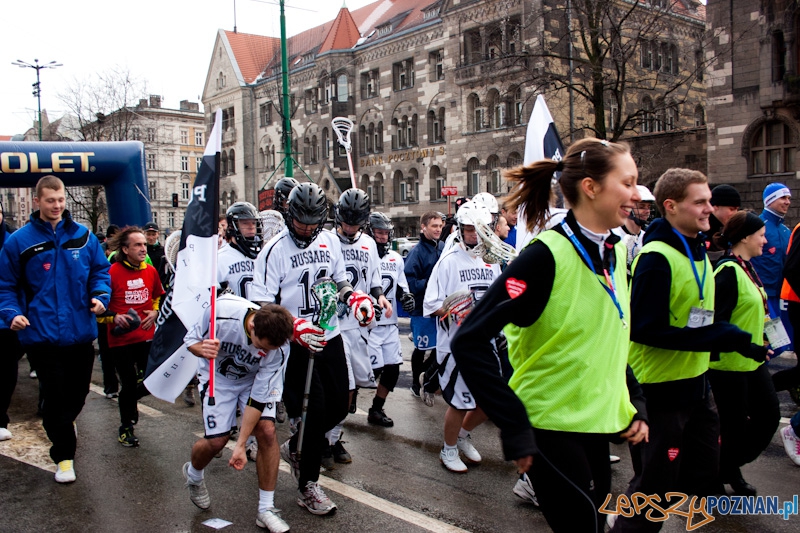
571 477
10 353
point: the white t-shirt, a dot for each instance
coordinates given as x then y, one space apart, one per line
284 273
361 263
235 269
239 362
457 270
392 275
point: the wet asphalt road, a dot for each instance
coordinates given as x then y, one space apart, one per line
395 483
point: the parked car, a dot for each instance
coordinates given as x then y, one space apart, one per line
403 245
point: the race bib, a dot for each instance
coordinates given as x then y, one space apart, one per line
776 333
699 317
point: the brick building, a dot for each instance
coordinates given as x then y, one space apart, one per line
440 93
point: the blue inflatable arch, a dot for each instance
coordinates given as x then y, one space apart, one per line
118 166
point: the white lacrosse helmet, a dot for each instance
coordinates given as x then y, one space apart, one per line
471 214
487 200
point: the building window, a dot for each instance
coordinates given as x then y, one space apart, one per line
136 134
326 144
699 116
327 89
473 177
155 217
772 149
369 84
647 115
311 101
436 62
184 137
171 219
613 111
403 74
378 189
151 135
473 45
342 90
232 162
518 107
778 56
198 138
153 190
437 181
184 190
265 114
699 64
493 174
198 161
151 161
184 163
223 163
436 126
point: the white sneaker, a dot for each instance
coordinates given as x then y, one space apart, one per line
613 459
5 434
33 374
315 500
65 473
470 453
524 489
251 450
198 492
451 460
271 519
791 444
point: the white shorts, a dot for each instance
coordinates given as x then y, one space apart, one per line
454 391
384 346
359 369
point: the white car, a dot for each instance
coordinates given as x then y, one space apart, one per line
403 245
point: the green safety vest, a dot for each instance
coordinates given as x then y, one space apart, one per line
748 315
657 365
569 366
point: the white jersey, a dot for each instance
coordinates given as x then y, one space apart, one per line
632 242
284 273
457 270
392 275
554 217
236 270
451 241
361 263
239 364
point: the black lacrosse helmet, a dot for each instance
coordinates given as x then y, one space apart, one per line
249 246
283 188
381 221
307 205
352 209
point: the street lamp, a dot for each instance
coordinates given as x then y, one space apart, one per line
37 89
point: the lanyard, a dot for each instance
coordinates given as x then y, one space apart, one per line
611 289
757 282
700 283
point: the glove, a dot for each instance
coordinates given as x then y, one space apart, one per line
362 308
308 335
133 323
757 353
407 302
457 306
378 309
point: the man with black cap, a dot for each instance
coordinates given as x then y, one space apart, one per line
726 202
155 250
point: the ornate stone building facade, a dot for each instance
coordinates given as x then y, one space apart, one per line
440 93
754 97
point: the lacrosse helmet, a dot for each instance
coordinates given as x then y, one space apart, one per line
307 205
468 214
490 202
381 221
642 218
283 188
249 246
351 209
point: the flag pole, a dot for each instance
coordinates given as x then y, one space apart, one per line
212 330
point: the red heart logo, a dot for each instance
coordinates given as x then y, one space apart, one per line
46 266
515 287
772 250
672 453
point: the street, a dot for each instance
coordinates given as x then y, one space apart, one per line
394 484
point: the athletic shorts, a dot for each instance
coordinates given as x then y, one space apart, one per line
359 369
424 331
384 346
454 391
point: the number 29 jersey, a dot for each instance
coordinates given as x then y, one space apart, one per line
392 275
284 273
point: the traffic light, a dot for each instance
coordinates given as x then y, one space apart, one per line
174 199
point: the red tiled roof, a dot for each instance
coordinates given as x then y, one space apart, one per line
342 35
252 52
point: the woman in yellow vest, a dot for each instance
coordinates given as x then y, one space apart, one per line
564 307
748 406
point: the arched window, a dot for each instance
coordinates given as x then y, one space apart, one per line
306 150
514 160
232 162
326 148
272 157
369 138
647 115
412 186
412 131
379 138
232 198
493 174
772 149
364 185
473 176
262 159
363 140
377 189
395 133
314 149
223 163
497 115
661 118
437 181
398 186
475 113
223 202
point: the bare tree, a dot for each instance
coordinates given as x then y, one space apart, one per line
104 108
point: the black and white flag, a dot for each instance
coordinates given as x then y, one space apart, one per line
171 366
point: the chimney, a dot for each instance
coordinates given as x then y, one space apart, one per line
186 105
155 101
142 102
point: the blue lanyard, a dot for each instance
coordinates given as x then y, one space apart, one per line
700 283
612 288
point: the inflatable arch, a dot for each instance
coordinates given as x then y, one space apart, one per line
118 166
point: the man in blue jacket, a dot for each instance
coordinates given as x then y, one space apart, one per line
769 265
419 265
53 280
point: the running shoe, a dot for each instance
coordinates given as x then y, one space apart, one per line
127 438
468 450
314 499
271 519
451 460
379 418
791 444
291 458
524 490
340 455
65 473
198 492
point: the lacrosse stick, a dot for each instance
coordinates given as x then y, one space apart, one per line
271 224
491 248
324 292
457 306
343 126
171 248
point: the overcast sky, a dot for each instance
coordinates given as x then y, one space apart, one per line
167 43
